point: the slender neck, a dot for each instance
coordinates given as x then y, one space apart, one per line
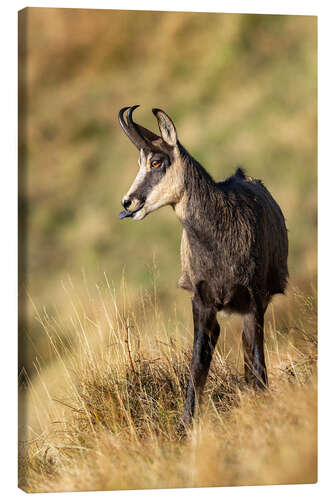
199 201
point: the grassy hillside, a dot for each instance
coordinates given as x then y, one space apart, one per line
242 91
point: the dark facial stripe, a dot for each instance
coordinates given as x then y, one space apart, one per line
152 178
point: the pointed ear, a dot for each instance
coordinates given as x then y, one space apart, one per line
166 126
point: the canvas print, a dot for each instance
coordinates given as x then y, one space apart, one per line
167 249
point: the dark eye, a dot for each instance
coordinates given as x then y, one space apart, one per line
156 163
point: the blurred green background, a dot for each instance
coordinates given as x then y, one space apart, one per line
241 90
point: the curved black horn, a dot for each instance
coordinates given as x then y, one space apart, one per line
133 127
130 128
122 122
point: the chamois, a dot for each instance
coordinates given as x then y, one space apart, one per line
234 245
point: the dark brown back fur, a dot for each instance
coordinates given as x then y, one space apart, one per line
237 238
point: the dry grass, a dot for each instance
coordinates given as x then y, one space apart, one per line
104 415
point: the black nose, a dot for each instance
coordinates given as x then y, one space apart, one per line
126 203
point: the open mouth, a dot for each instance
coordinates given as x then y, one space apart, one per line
129 213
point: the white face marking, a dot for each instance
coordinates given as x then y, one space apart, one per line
169 190
140 175
166 192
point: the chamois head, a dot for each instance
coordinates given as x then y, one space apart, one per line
160 178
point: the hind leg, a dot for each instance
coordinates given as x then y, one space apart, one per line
253 345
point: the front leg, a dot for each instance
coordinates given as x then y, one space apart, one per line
206 333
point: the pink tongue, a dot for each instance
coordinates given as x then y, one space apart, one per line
124 214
